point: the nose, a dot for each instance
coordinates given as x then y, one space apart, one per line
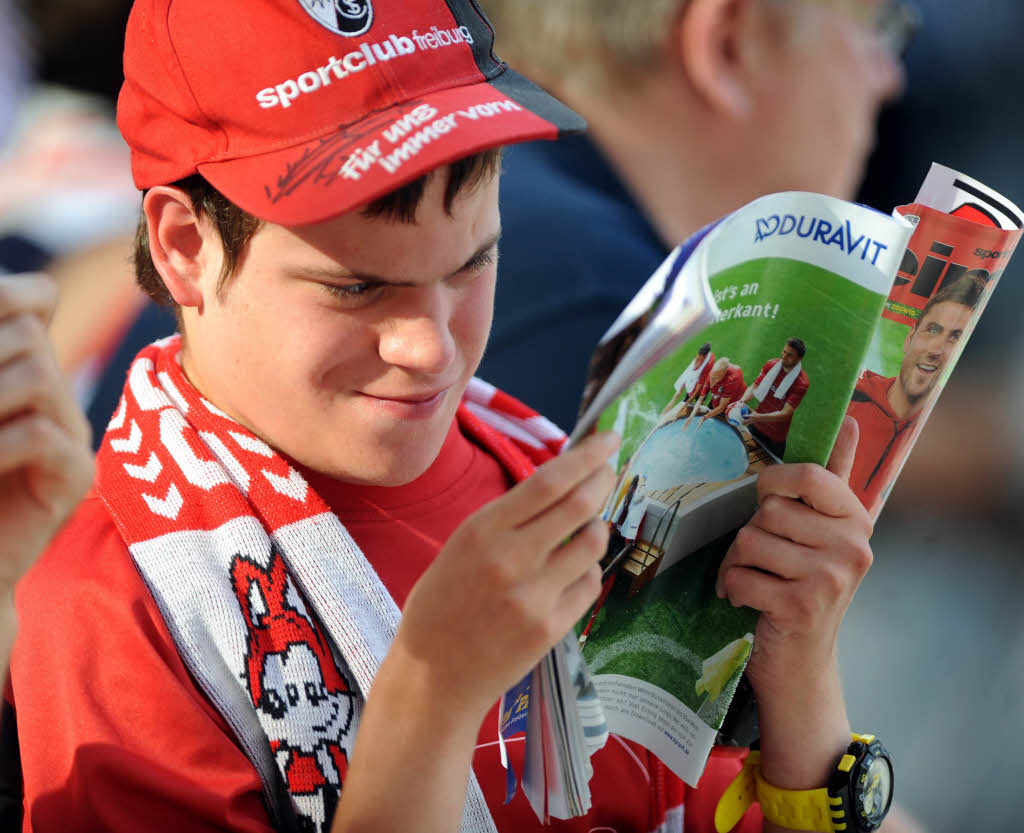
888 75
419 337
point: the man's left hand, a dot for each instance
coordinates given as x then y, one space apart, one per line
799 560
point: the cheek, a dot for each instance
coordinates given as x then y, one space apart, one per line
333 357
908 343
471 324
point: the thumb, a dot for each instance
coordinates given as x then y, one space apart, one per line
840 462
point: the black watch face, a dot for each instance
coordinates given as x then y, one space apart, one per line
873 791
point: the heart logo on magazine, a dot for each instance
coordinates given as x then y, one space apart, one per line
766 227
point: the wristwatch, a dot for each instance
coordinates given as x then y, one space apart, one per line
856 799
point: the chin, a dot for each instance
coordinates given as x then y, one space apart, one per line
388 467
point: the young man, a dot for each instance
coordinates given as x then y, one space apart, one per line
693 378
214 640
886 409
779 388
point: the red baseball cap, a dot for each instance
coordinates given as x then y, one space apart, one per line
300 110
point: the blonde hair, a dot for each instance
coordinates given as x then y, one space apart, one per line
584 40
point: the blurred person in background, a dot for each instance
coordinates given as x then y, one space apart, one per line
14 72
45 463
939 614
695 108
67 202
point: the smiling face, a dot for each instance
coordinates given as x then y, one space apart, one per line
347 344
297 706
790 357
926 351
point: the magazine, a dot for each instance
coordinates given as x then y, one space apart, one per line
746 348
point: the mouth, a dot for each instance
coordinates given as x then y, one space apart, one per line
410 405
322 729
411 399
926 368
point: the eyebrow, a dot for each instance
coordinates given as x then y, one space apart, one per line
477 259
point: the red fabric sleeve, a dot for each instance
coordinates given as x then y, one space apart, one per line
114 734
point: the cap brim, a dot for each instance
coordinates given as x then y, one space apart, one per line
340 171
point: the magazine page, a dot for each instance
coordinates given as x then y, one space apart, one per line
674 303
964 235
800 281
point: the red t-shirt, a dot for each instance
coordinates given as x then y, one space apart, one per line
731 386
778 431
884 441
116 736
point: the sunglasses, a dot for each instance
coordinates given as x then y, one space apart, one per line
894 21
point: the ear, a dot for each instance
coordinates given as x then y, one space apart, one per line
257 604
185 251
710 37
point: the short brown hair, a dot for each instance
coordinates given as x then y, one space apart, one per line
235 227
965 290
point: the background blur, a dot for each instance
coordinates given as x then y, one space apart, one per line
933 647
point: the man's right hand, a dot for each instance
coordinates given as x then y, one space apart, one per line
512 579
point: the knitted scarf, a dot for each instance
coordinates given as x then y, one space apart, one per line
274 609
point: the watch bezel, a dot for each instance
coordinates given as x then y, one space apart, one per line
850 785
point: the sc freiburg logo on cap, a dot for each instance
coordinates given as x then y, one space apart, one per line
345 17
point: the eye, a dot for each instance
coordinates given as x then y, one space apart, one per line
353 293
483 260
486 258
313 695
476 266
272 704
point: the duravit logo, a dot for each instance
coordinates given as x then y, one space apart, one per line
343 17
840 234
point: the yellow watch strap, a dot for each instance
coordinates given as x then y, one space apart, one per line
739 795
795 809
799 809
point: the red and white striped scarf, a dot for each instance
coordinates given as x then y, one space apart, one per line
273 607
